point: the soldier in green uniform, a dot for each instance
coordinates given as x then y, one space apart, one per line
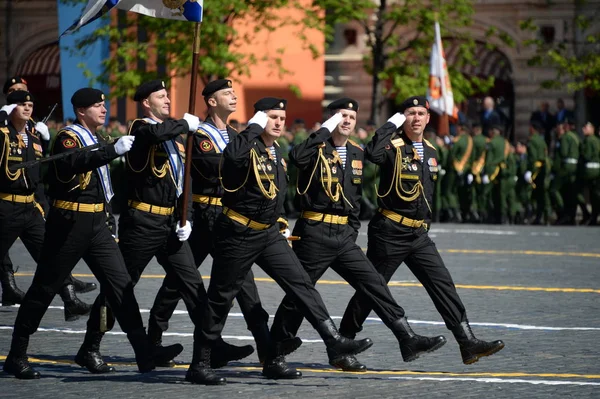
538 168
459 164
510 174
494 172
522 187
590 172
564 171
440 199
480 201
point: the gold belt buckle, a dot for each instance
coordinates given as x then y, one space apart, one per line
97 208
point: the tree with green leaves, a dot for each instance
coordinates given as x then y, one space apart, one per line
576 58
399 64
136 39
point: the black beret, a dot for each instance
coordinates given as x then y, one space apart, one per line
12 81
268 103
86 97
414 101
537 126
343 103
18 97
145 89
216 85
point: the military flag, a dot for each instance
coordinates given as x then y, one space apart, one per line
183 10
439 93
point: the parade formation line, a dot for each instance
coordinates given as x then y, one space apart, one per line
440 376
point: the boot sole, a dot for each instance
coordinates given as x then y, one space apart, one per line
348 369
221 382
479 356
85 290
94 371
432 349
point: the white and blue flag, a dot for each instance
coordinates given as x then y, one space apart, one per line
181 10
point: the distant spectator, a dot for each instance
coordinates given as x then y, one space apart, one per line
489 116
545 119
561 112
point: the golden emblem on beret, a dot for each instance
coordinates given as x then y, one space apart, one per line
27 98
280 105
229 83
102 96
13 81
415 101
163 83
350 105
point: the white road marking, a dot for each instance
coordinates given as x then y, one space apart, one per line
495 380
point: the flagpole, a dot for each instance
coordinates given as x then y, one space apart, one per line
190 136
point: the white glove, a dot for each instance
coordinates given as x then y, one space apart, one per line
397 119
260 118
469 179
485 179
124 144
183 233
43 129
192 120
528 177
8 108
442 172
447 140
516 178
286 233
331 123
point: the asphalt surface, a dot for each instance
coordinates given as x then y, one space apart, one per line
536 288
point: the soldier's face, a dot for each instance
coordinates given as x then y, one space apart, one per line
224 100
416 120
276 123
159 104
348 123
23 111
17 86
94 115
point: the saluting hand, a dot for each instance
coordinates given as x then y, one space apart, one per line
333 122
260 118
8 108
124 144
397 119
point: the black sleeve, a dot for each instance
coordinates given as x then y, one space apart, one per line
302 155
159 132
83 161
237 151
375 151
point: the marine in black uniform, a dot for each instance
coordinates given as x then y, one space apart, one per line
11 294
255 182
398 233
77 228
330 188
209 143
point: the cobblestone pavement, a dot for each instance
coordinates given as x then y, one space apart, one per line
538 289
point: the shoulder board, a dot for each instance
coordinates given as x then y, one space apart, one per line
399 142
355 144
135 121
67 132
429 144
4 130
276 143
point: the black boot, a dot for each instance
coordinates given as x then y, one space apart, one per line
11 294
16 362
148 356
338 345
74 307
89 355
262 338
82 286
412 345
222 353
347 363
289 345
200 371
276 368
155 339
471 348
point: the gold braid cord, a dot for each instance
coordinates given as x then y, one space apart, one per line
5 150
271 193
326 183
396 183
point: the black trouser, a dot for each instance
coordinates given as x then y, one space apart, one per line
201 243
24 221
237 247
71 236
324 245
389 245
144 235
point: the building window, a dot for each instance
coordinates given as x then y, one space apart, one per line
547 33
350 35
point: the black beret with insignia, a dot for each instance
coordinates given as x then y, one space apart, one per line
145 89
18 97
86 97
343 103
269 103
414 101
12 81
215 86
